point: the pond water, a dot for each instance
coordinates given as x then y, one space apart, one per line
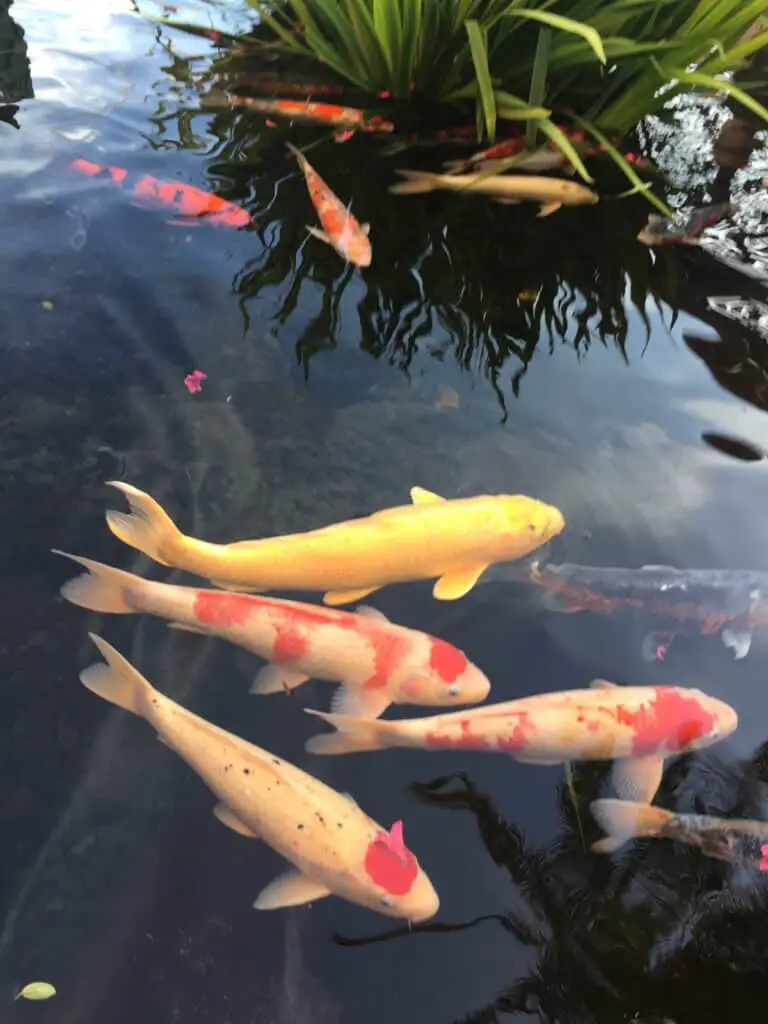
483 351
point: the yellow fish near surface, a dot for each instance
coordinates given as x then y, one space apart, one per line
454 540
552 193
334 847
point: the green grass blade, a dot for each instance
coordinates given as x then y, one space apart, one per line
626 167
699 79
478 45
558 21
564 144
538 88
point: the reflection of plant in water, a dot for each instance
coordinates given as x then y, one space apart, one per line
625 939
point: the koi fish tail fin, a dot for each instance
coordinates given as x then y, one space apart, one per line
457 166
118 681
101 589
418 182
148 528
353 734
298 154
623 820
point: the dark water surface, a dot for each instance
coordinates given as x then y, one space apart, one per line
484 350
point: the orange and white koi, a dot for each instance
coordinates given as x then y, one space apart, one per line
377 662
306 110
639 726
341 229
334 846
506 149
191 205
453 540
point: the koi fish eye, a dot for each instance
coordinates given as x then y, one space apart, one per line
454 689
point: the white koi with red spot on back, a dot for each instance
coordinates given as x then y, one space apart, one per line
335 848
377 662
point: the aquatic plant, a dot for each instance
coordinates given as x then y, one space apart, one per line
599 65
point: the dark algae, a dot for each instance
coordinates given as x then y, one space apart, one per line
485 350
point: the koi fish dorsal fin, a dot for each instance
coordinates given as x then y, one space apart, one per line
393 840
603 684
420 496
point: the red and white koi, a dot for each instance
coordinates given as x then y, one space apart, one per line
334 847
190 205
638 726
306 110
377 662
341 230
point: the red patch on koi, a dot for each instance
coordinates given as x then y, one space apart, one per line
446 660
390 864
290 644
222 610
671 721
388 651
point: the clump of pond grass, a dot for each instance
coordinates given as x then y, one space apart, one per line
601 64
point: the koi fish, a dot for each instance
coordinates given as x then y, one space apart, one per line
334 846
676 601
662 231
551 193
638 726
454 540
737 841
495 156
191 205
341 229
306 110
376 662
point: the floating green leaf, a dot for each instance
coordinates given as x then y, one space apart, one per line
36 990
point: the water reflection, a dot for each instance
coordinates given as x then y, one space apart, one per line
649 936
451 276
15 76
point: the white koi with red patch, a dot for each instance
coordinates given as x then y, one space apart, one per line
333 845
636 725
377 662
340 228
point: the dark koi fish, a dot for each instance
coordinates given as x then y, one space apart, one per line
734 840
732 602
662 231
191 205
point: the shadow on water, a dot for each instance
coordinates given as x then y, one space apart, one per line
621 388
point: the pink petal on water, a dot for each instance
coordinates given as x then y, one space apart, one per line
343 136
270 123
193 381
764 861
384 94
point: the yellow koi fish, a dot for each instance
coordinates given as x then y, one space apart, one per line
637 726
377 662
334 847
552 193
454 540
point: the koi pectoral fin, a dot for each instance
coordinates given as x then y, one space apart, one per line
228 817
655 646
549 208
319 234
290 890
274 678
638 778
359 702
456 584
186 627
347 596
737 640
